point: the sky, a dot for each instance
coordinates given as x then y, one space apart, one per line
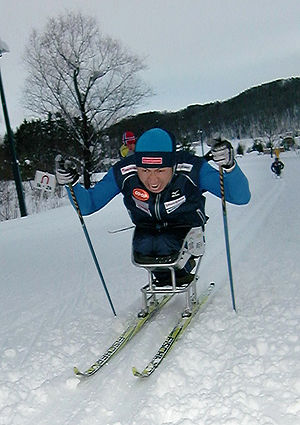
196 51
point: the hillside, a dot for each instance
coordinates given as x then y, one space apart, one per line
272 106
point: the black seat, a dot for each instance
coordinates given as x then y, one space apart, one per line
146 259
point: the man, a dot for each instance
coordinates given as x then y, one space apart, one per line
277 166
128 144
163 189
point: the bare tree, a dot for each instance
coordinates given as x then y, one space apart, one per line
268 127
89 78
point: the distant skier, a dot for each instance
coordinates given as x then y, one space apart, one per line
162 189
128 144
277 167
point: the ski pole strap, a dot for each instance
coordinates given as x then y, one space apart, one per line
91 247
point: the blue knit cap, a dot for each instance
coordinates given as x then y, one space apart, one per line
156 148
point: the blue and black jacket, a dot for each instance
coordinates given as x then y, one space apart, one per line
181 203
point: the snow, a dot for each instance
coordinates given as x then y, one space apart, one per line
229 368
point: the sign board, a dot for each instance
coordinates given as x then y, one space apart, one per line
44 181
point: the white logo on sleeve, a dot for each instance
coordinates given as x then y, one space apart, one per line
171 206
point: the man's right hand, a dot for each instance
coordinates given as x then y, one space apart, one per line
66 171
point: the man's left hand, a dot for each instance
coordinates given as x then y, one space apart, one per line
223 154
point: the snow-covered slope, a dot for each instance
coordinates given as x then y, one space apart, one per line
229 368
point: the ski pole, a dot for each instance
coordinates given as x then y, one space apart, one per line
226 236
123 229
91 247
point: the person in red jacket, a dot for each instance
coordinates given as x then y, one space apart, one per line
128 144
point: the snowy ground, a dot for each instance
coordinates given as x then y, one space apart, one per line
229 368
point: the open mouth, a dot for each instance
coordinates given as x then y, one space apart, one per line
154 187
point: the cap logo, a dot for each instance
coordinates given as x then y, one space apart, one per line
140 194
148 160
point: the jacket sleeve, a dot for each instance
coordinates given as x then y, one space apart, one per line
95 198
236 186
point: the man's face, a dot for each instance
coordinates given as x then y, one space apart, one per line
155 179
131 146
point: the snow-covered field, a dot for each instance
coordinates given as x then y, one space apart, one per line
229 368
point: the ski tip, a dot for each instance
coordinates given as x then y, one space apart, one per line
136 372
77 371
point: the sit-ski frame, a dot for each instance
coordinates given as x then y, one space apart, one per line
193 245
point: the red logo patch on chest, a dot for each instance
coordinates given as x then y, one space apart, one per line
140 194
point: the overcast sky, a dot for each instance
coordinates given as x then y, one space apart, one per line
197 51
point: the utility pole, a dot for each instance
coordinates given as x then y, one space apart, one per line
15 165
201 138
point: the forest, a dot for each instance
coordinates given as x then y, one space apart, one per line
266 113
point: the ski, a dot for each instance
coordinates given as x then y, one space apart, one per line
174 335
126 336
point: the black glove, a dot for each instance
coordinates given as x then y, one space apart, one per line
67 172
222 153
